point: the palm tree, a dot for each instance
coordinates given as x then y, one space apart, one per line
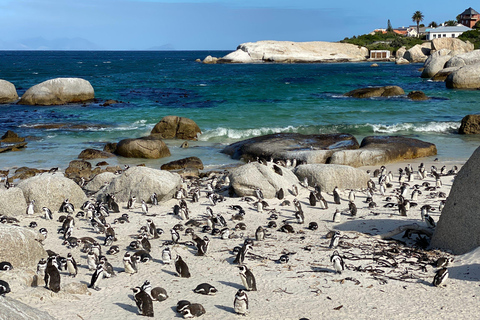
417 17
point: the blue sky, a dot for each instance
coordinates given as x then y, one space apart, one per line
207 25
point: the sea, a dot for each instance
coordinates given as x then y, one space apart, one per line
229 102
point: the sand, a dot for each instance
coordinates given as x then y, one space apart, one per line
383 278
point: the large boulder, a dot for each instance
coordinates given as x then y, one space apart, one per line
145 147
100 181
142 182
400 52
470 124
59 91
371 92
452 44
418 53
89 154
444 73
79 168
458 228
467 77
329 176
50 190
8 93
15 310
282 146
245 179
464 59
190 162
18 245
436 62
376 150
417 95
12 202
291 52
173 127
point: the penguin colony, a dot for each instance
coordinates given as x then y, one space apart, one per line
95 227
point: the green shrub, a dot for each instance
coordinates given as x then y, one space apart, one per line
473 36
383 41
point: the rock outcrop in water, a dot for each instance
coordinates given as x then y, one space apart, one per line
148 147
470 124
173 127
59 91
8 93
387 91
294 52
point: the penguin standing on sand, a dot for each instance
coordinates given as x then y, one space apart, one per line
144 207
30 207
248 279
152 230
52 275
335 240
440 277
71 265
337 261
96 277
260 234
129 263
143 301
247 246
131 202
240 304
48 213
312 198
336 196
166 256
181 267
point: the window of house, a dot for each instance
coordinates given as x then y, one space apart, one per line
453 35
444 35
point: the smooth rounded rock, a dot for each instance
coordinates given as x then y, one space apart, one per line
12 202
99 181
190 162
89 154
173 127
12 309
146 147
387 91
417 96
329 176
467 77
470 124
18 245
59 91
8 93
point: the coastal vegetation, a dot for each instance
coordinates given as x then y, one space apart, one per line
384 41
473 36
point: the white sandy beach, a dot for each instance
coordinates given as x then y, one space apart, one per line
382 280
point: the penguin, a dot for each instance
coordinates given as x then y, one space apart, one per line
131 202
297 204
71 265
440 277
96 277
92 260
41 266
429 221
322 202
260 234
283 258
313 226
181 267
152 230
145 243
175 235
300 217
351 196
337 261
43 232
336 216
248 279
129 263
312 198
353 208
4 288
335 240
144 207
48 213
66 207
259 194
247 246
280 194
202 245
154 199
52 275
181 305
240 304
113 250
108 270
143 301
294 191
225 234
157 293
193 310
5 266
206 289
166 256
31 207
33 224
336 196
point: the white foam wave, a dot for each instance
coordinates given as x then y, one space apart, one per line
237 134
416 127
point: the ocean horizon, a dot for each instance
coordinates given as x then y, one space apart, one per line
229 102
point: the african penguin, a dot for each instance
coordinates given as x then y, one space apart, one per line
96 277
248 279
52 275
440 277
181 267
143 301
205 288
240 304
337 261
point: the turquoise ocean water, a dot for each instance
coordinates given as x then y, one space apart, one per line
228 102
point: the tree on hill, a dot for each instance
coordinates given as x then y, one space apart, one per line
417 18
451 23
389 26
432 24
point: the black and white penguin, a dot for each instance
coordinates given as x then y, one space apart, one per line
131 202
166 255
335 240
240 304
429 221
96 277
175 235
300 217
129 263
41 266
440 277
31 207
43 233
152 230
143 301
322 202
5 266
113 250
353 208
193 310
182 305
4 288
66 207
297 204
181 267
284 258
92 260
443 262
312 199
205 288
52 275
248 279
351 196
294 190
259 194
144 207
260 234
48 213
247 246
280 194
154 199
336 196
337 261
146 243
71 265
157 293
202 245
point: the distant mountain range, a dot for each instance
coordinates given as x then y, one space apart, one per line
40 43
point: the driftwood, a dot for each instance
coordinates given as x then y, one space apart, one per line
415 228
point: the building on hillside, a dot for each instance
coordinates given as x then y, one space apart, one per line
445 32
410 31
379 54
469 17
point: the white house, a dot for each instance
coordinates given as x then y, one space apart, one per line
446 32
